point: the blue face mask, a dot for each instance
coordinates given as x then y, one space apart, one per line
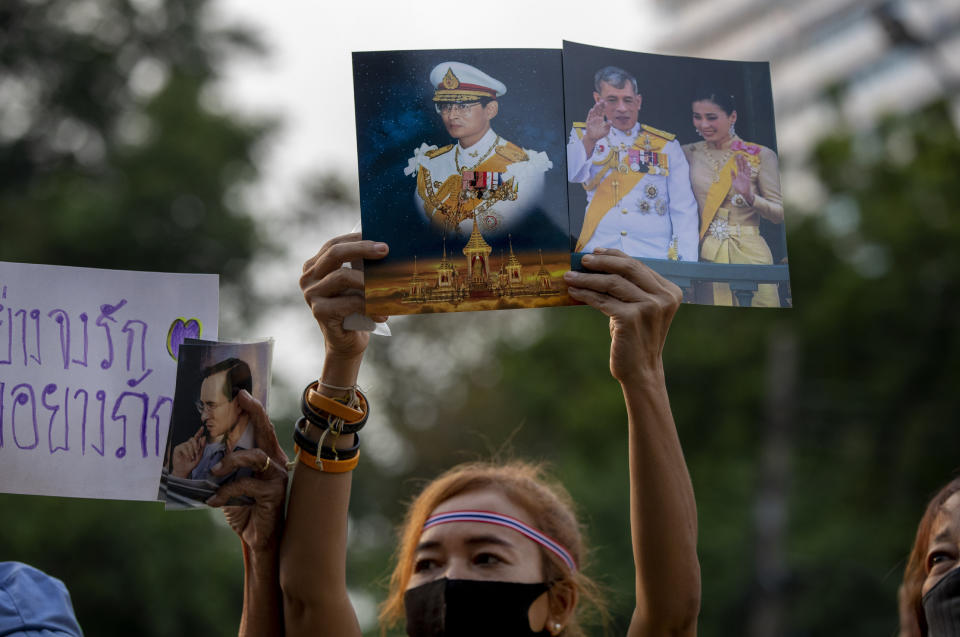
471 608
941 606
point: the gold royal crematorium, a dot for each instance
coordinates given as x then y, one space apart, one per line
475 281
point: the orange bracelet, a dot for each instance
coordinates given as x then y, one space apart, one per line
326 466
332 407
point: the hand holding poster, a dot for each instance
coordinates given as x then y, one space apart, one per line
87 373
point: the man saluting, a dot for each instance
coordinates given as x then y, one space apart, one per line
637 179
481 176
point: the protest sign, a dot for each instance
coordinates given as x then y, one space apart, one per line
87 375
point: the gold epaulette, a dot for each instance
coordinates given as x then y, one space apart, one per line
580 128
659 133
436 152
512 152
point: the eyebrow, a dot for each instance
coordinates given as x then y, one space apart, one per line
474 540
941 536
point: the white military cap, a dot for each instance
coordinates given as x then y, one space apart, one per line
459 82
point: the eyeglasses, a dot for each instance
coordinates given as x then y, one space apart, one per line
202 406
456 108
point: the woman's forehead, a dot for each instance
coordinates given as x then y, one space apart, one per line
947 520
492 500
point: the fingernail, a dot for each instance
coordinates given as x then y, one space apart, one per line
600 250
587 258
380 247
571 275
216 467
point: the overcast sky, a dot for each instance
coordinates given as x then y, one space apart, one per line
308 81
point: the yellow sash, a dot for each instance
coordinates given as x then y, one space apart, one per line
716 195
605 197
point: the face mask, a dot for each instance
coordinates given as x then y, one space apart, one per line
468 608
941 606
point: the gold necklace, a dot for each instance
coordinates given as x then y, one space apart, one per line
456 156
717 163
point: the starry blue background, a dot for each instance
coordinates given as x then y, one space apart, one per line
395 114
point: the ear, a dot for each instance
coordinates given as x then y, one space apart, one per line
596 97
733 117
563 597
492 109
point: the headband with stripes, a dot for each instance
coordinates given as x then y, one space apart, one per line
488 517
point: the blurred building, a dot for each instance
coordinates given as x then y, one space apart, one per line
833 62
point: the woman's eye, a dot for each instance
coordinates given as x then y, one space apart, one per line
423 565
486 559
937 558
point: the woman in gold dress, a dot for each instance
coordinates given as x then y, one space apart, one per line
736 183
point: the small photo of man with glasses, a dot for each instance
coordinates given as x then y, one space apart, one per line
224 424
216 384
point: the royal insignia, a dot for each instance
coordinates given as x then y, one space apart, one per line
450 80
512 153
719 229
436 152
651 191
644 206
661 207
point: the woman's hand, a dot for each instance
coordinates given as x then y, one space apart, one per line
639 302
333 291
257 524
740 179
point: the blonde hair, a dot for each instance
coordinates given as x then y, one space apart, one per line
545 500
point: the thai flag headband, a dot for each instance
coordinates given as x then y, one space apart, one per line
488 517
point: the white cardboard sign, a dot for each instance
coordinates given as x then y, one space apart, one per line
87 375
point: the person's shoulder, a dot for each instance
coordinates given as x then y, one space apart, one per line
693 147
436 152
659 133
579 128
511 152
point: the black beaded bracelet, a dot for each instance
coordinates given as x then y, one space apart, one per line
326 453
322 419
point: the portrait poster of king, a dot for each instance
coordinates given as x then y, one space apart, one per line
491 172
466 179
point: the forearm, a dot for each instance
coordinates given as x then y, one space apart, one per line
313 551
262 605
663 513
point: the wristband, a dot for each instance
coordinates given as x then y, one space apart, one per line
301 440
326 466
335 408
324 420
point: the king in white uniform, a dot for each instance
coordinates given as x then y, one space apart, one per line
637 178
482 175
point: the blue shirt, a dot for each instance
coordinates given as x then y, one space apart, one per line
33 604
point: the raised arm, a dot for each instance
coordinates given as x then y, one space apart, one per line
663 515
313 550
260 524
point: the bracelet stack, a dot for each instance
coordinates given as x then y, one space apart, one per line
334 418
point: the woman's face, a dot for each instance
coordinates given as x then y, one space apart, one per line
476 550
480 551
943 549
712 123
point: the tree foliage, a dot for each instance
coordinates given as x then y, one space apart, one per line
114 153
